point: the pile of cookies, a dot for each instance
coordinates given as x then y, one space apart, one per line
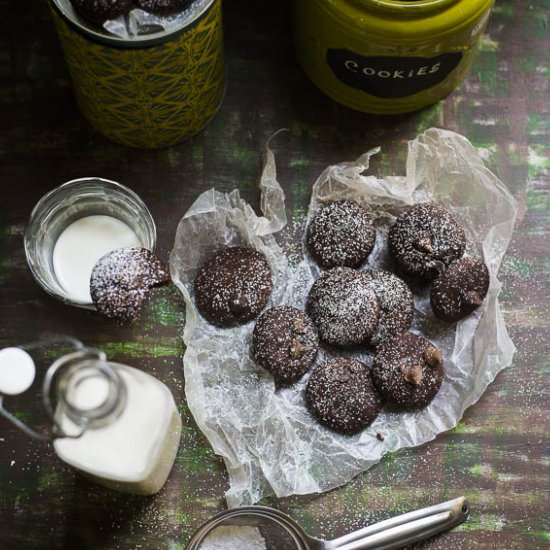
351 307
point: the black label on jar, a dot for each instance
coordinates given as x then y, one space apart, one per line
391 77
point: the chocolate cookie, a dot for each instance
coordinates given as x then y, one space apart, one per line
341 234
233 286
408 371
341 395
162 7
99 11
285 343
460 289
121 280
426 238
343 306
396 306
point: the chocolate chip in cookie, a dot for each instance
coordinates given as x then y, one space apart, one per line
233 286
408 371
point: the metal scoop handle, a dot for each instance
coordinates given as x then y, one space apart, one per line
389 534
405 529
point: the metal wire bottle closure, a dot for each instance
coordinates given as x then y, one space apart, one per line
60 386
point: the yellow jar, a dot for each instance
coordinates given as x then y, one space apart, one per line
152 91
388 56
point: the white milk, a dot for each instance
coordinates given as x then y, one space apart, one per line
90 393
81 244
136 451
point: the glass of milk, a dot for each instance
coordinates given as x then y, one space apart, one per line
74 225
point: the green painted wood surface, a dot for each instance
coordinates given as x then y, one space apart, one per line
499 456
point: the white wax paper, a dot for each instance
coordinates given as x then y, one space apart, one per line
139 22
270 443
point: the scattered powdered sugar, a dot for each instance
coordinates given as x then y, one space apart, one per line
234 537
270 442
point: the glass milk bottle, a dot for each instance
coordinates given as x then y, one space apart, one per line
117 425
131 425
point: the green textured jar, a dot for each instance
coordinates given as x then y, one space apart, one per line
151 91
388 56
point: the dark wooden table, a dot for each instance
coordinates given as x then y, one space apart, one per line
498 456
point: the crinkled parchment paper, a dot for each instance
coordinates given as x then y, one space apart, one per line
269 441
139 22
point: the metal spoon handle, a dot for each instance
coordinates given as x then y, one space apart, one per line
405 529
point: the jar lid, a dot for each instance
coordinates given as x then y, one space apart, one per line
407 21
406 8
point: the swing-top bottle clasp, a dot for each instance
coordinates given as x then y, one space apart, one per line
80 391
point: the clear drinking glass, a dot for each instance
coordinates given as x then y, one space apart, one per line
66 204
